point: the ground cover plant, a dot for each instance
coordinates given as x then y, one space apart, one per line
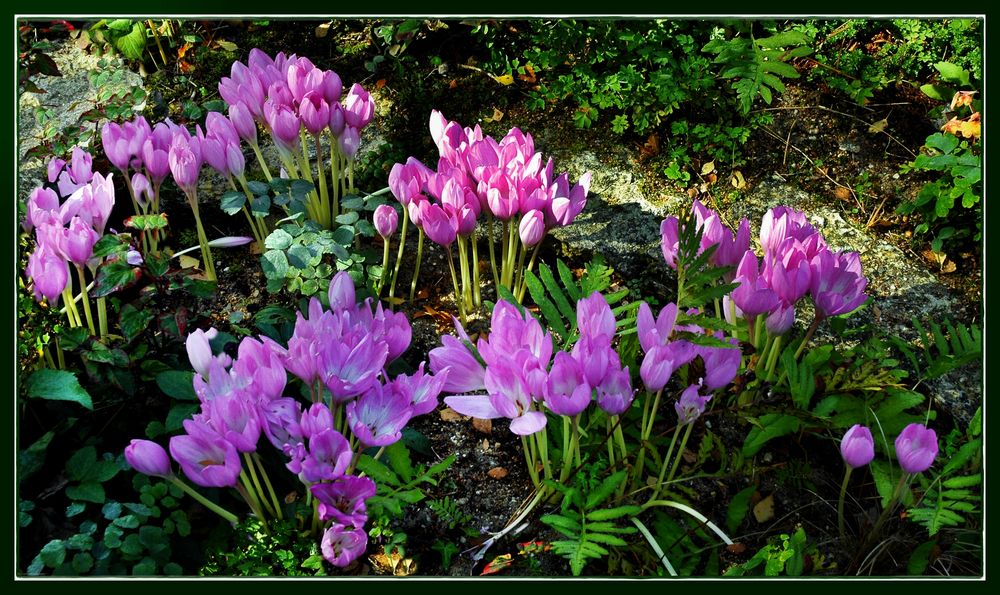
239 354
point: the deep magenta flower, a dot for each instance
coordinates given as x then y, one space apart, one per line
349 369
262 366
594 317
315 420
916 448
669 240
349 141
184 158
280 421
80 240
42 200
199 351
439 227
234 417
341 545
782 222
753 296
206 458
343 500
283 124
386 219
341 295
378 416
657 367
359 107
857 447
242 118
690 405
721 363
314 112
328 456
148 458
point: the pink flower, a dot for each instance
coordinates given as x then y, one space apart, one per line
916 448
857 447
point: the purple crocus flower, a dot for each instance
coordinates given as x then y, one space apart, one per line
314 111
753 296
657 367
283 123
349 141
341 545
669 240
465 372
690 405
532 228
48 272
837 285
857 447
41 200
439 227
386 219
780 320
343 500
615 394
280 421
315 420
206 458
116 145
234 417
328 457
359 107
916 448
378 416
594 317
184 158
780 223
262 366
421 389
721 363
350 369
199 351
340 294
567 392
242 118
148 458
80 240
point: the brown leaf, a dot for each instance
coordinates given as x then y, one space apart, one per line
181 51
736 548
482 425
652 146
711 178
878 126
842 193
496 117
379 83
452 84
529 74
764 510
497 473
450 415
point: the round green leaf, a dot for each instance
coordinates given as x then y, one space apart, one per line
57 385
178 384
53 553
274 264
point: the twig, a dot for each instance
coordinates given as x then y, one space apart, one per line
788 141
839 113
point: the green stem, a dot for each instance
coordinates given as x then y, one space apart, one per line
504 253
454 279
260 160
542 438
463 273
531 265
493 258
267 483
663 467
86 300
59 355
385 267
840 502
261 224
876 530
809 334
232 518
258 491
102 316
567 454
399 254
72 314
477 298
206 252
680 453
324 195
246 490
416 266
529 460
772 358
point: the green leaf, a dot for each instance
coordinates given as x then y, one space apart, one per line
81 465
133 321
74 509
178 413
88 491
258 188
53 553
278 240
178 384
111 510
920 558
552 319
131 546
57 385
951 73
132 44
607 487
82 562
946 143
31 459
80 541
232 202
399 458
114 276
738 508
377 471
344 235
348 218
260 206
605 514
147 222
883 480
784 39
774 425
938 92
299 256
274 264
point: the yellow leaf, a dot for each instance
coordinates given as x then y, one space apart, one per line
496 117
764 510
708 168
226 45
878 126
739 182
323 29
504 79
188 262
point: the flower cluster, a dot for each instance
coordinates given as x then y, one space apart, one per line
515 367
478 178
68 221
340 354
294 99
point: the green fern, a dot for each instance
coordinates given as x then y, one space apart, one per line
759 64
943 348
590 529
949 498
699 283
556 298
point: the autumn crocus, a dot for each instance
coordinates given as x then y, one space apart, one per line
148 458
377 417
341 546
206 458
385 220
343 499
916 448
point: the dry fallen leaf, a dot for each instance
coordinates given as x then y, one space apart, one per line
842 193
496 117
392 564
482 425
879 126
764 510
708 168
738 181
652 146
529 74
452 84
736 548
188 262
379 83
323 29
497 473
485 445
450 415
504 79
